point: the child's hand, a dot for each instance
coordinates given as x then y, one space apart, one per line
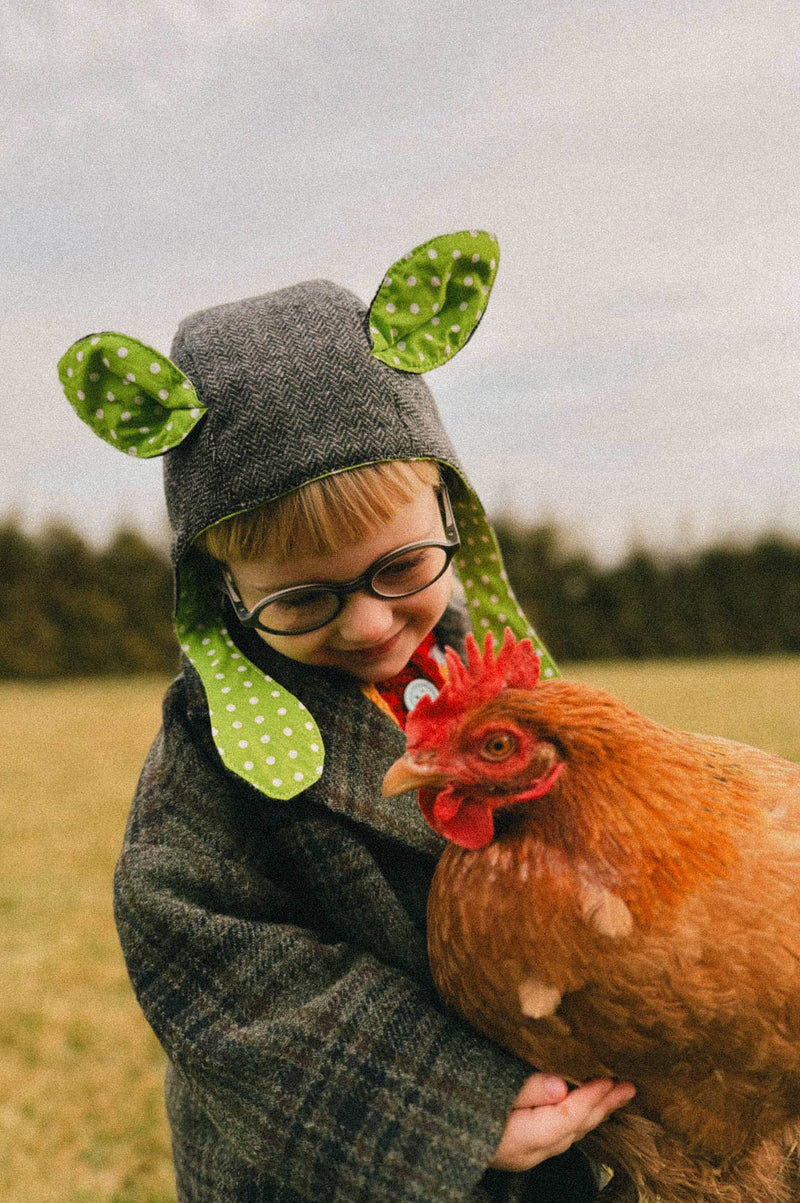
547 1118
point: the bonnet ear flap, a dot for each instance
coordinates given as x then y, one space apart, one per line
133 397
430 302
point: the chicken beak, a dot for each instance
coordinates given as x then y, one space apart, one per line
408 773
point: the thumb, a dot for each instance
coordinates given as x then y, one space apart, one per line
541 1090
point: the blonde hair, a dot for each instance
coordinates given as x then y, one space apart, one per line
321 516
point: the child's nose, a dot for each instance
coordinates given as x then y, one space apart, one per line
365 620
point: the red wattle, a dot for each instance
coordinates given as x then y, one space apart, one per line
460 820
447 805
472 827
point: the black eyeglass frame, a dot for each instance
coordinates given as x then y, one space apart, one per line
451 544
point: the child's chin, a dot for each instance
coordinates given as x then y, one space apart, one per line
377 673
377 668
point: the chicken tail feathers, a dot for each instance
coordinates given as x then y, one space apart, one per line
644 1155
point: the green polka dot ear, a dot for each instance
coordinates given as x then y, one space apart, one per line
132 396
430 302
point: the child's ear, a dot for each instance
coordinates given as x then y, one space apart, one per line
430 302
132 396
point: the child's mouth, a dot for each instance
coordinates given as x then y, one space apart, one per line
376 650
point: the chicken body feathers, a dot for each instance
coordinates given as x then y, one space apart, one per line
642 921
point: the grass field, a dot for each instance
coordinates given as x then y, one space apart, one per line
81 1117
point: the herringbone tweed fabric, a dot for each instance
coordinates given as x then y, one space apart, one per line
293 393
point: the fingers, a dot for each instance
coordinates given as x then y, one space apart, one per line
543 1129
583 1109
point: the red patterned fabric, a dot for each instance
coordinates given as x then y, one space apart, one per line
421 664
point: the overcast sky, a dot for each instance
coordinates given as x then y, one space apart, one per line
637 373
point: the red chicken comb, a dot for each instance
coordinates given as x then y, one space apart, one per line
484 676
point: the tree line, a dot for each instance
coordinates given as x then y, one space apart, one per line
724 599
68 609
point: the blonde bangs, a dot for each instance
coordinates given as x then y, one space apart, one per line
322 516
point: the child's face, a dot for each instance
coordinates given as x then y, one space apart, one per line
373 637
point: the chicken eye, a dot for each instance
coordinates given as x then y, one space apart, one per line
498 746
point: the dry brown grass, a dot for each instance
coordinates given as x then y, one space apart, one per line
80 1073
754 700
81 1115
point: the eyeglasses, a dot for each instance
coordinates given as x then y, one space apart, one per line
400 573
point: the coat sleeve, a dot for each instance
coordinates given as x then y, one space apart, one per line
329 1072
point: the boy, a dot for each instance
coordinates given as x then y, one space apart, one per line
270 903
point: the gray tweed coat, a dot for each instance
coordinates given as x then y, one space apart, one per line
277 947
278 951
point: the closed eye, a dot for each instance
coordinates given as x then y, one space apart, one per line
404 564
410 572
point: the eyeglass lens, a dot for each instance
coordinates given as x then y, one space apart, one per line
306 609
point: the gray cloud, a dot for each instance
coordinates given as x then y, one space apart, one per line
639 164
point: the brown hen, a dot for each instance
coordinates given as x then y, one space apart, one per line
621 899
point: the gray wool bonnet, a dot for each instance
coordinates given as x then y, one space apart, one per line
266 394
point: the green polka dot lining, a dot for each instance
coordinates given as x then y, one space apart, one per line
431 301
262 732
133 397
492 604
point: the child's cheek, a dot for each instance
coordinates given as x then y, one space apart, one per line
303 648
